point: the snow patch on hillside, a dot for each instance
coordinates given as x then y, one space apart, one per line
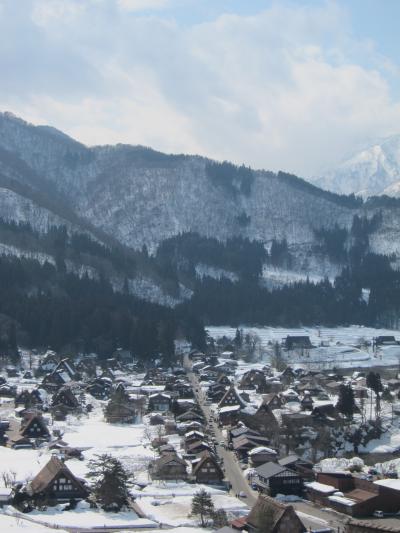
203 271
147 289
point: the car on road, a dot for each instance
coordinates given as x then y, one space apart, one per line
222 443
242 494
378 514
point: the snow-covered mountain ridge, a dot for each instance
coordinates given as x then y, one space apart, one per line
137 196
374 170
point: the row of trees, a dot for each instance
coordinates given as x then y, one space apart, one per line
43 306
305 303
179 255
346 401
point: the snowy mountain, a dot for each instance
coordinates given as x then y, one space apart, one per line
134 196
140 196
375 170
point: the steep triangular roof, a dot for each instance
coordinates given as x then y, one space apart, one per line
267 508
34 418
49 473
229 391
204 458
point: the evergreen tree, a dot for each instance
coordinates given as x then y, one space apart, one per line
238 339
220 518
110 482
202 506
346 403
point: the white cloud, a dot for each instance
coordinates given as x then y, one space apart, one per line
285 89
142 5
45 12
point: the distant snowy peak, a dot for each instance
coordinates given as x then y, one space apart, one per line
375 170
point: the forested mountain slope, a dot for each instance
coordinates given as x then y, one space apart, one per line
135 197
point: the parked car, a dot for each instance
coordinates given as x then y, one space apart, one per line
378 514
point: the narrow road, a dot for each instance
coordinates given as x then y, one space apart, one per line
233 472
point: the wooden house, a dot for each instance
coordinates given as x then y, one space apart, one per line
49 362
193 436
34 427
385 340
303 467
120 408
272 400
100 388
224 380
56 483
229 415
66 399
196 447
241 430
216 392
263 420
191 416
207 470
253 379
297 342
159 402
274 479
231 397
23 398
261 455
67 366
168 467
281 518
244 444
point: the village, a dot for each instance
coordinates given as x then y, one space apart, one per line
234 438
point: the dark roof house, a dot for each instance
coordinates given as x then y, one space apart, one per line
56 482
279 517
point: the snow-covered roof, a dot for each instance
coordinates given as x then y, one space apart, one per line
320 487
389 483
289 392
261 449
229 408
5 492
342 500
65 377
193 432
157 394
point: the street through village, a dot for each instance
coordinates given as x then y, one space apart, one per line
313 517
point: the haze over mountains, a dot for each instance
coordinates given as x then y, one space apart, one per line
132 197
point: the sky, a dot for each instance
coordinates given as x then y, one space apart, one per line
293 85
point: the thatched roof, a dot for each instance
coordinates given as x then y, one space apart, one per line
270 510
204 458
52 470
33 418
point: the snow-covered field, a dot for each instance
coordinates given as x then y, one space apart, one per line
82 516
334 347
9 524
161 502
175 511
